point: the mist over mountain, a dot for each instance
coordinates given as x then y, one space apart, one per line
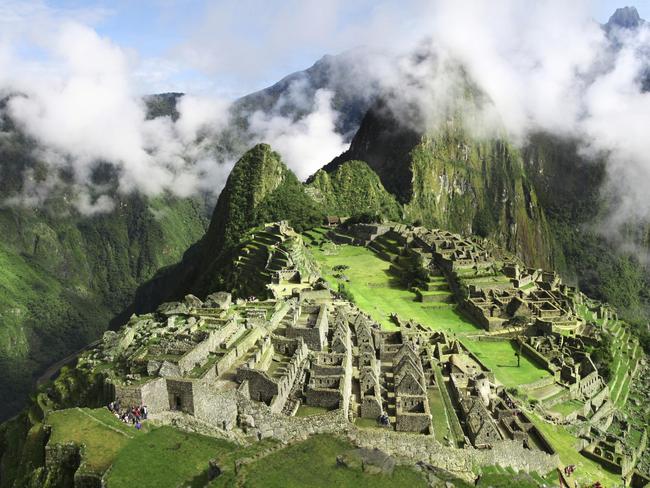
485 133
381 234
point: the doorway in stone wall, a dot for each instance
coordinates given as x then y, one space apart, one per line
178 402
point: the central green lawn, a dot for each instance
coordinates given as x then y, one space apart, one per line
377 292
500 358
313 463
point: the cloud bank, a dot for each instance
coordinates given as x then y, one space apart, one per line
539 66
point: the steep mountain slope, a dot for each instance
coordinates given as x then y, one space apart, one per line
353 188
569 189
64 275
449 179
260 189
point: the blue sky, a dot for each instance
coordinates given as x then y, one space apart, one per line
230 47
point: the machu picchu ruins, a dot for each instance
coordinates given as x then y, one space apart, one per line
287 354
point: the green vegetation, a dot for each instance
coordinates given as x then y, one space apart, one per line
500 357
306 411
439 414
313 463
566 445
165 457
498 477
624 355
101 434
487 170
63 276
351 189
568 407
378 292
260 189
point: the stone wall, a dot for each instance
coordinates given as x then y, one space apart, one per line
346 384
286 381
199 354
536 357
324 398
412 414
223 409
279 314
261 421
262 387
181 394
249 340
311 335
128 395
322 325
217 408
154 395
417 447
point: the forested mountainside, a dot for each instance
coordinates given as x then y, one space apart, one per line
65 275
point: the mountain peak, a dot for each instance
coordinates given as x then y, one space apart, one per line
624 18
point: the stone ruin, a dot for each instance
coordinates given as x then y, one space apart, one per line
205 358
248 363
529 306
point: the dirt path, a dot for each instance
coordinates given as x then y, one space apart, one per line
51 371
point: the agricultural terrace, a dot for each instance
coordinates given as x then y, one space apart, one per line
378 292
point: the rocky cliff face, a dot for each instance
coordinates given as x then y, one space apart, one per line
452 180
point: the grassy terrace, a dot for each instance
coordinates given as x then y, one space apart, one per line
313 463
568 407
164 457
98 430
379 293
500 357
625 360
587 472
307 411
441 429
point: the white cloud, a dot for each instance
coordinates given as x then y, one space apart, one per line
307 143
542 66
80 104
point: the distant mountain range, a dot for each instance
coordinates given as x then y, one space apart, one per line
63 276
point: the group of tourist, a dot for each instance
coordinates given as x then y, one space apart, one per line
384 420
130 415
568 470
